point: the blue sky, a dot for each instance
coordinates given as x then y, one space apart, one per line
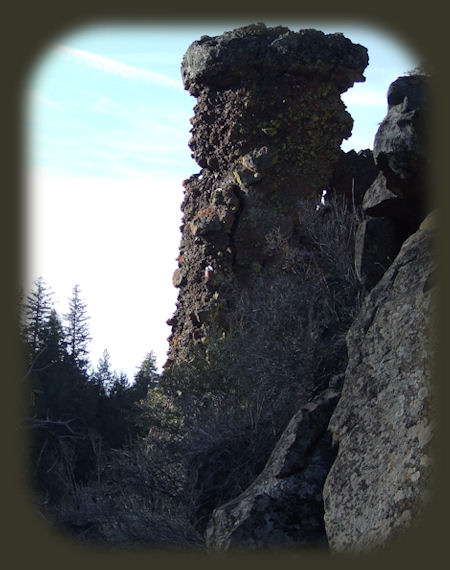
107 127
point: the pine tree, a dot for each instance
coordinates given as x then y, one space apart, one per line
104 376
120 386
112 421
77 330
146 378
48 377
36 310
53 340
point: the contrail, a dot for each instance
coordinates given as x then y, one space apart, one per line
117 68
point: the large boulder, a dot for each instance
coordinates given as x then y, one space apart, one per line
283 507
398 195
380 479
377 242
400 147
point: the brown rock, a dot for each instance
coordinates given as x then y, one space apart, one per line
267 131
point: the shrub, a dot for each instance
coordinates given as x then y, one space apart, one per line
210 422
234 395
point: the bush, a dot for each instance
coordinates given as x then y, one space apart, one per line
209 423
224 408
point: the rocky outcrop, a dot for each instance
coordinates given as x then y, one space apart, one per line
383 422
376 244
396 202
266 133
353 173
261 149
283 507
400 147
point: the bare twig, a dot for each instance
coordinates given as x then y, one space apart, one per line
32 368
37 423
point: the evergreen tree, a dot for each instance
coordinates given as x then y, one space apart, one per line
36 309
77 330
112 421
104 376
120 386
53 340
49 377
146 378
144 394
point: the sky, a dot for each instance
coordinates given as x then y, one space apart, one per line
107 130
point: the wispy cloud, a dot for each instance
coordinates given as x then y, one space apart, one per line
117 68
36 97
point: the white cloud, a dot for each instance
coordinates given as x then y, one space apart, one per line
117 68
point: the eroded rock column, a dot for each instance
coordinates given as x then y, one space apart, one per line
266 133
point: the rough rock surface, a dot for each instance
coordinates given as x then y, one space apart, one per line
398 195
382 423
376 244
261 150
227 60
400 147
353 173
283 507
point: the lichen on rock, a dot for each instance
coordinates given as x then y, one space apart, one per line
283 507
383 422
267 130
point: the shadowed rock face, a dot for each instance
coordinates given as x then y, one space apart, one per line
353 174
400 147
397 201
267 131
283 507
383 423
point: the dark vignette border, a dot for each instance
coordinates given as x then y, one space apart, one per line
28 542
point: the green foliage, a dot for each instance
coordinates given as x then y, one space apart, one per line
68 406
160 454
77 329
160 415
147 377
104 376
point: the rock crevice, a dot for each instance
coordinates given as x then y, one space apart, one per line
283 507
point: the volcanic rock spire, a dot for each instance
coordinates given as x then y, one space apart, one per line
266 133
